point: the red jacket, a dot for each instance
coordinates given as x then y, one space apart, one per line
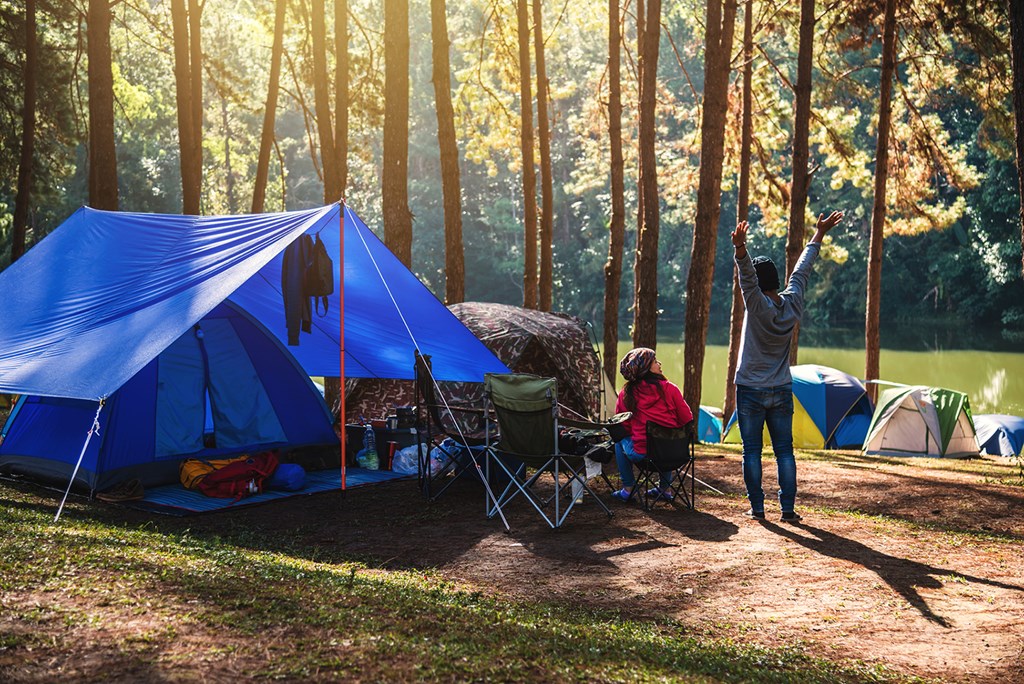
670 412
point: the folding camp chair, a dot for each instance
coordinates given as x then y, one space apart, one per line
526 407
668 450
433 432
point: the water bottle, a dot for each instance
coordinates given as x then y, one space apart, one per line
370 460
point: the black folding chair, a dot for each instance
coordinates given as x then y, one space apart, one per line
436 432
672 450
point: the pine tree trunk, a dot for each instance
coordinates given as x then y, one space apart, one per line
640 33
617 229
395 190
19 229
183 90
795 236
1017 54
544 138
721 23
872 337
742 208
102 153
455 270
229 176
270 111
322 104
195 11
341 91
530 279
645 326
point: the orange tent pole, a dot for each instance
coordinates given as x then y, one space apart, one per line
341 337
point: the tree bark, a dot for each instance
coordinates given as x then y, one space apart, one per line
341 92
721 22
322 104
195 13
645 325
742 208
229 175
102 152
19 229
872 337
795 236
394 177
544 138
184 92
617 229
1017 54
270 110
530 278
451 186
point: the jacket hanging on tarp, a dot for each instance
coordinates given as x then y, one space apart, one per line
297 308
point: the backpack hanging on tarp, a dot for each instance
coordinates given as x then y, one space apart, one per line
319 277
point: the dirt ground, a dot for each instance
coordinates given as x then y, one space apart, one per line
914 564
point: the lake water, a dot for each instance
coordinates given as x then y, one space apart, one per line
993 380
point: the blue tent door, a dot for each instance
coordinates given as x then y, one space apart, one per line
210 364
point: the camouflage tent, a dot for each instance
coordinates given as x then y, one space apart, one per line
549 344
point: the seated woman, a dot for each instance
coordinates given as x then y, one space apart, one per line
649 396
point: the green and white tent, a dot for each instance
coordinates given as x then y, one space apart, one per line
922 421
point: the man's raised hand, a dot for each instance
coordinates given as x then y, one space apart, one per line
739 236
826 224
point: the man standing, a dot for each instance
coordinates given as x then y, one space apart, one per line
764 386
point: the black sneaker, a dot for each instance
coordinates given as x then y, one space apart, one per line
756 515
790 517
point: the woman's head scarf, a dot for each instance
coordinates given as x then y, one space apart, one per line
636 363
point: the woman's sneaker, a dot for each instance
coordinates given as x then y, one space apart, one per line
657 493
622 494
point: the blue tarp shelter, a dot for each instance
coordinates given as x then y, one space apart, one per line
999 434
105 295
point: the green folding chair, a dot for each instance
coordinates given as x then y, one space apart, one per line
526 407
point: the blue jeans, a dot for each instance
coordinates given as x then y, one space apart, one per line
625 456
756 406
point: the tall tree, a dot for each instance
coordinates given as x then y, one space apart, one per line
645 326
322 104
189 142
1017 52
451 186
720 24
742 206
394 176
195 14
795 236
530 280
544 139
617 227
28 137
341 91
270 109
872 338
102 154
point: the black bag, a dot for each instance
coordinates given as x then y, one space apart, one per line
319 278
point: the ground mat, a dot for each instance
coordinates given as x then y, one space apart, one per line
173 499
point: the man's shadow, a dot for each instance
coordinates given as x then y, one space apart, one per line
904 576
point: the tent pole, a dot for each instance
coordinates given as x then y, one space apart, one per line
94 429
341 337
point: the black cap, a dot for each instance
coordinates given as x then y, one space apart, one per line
767 274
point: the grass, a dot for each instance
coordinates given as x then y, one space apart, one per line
156 598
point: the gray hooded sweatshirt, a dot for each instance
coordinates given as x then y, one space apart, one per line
767 326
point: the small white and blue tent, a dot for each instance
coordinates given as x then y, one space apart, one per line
1000 434
123 330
